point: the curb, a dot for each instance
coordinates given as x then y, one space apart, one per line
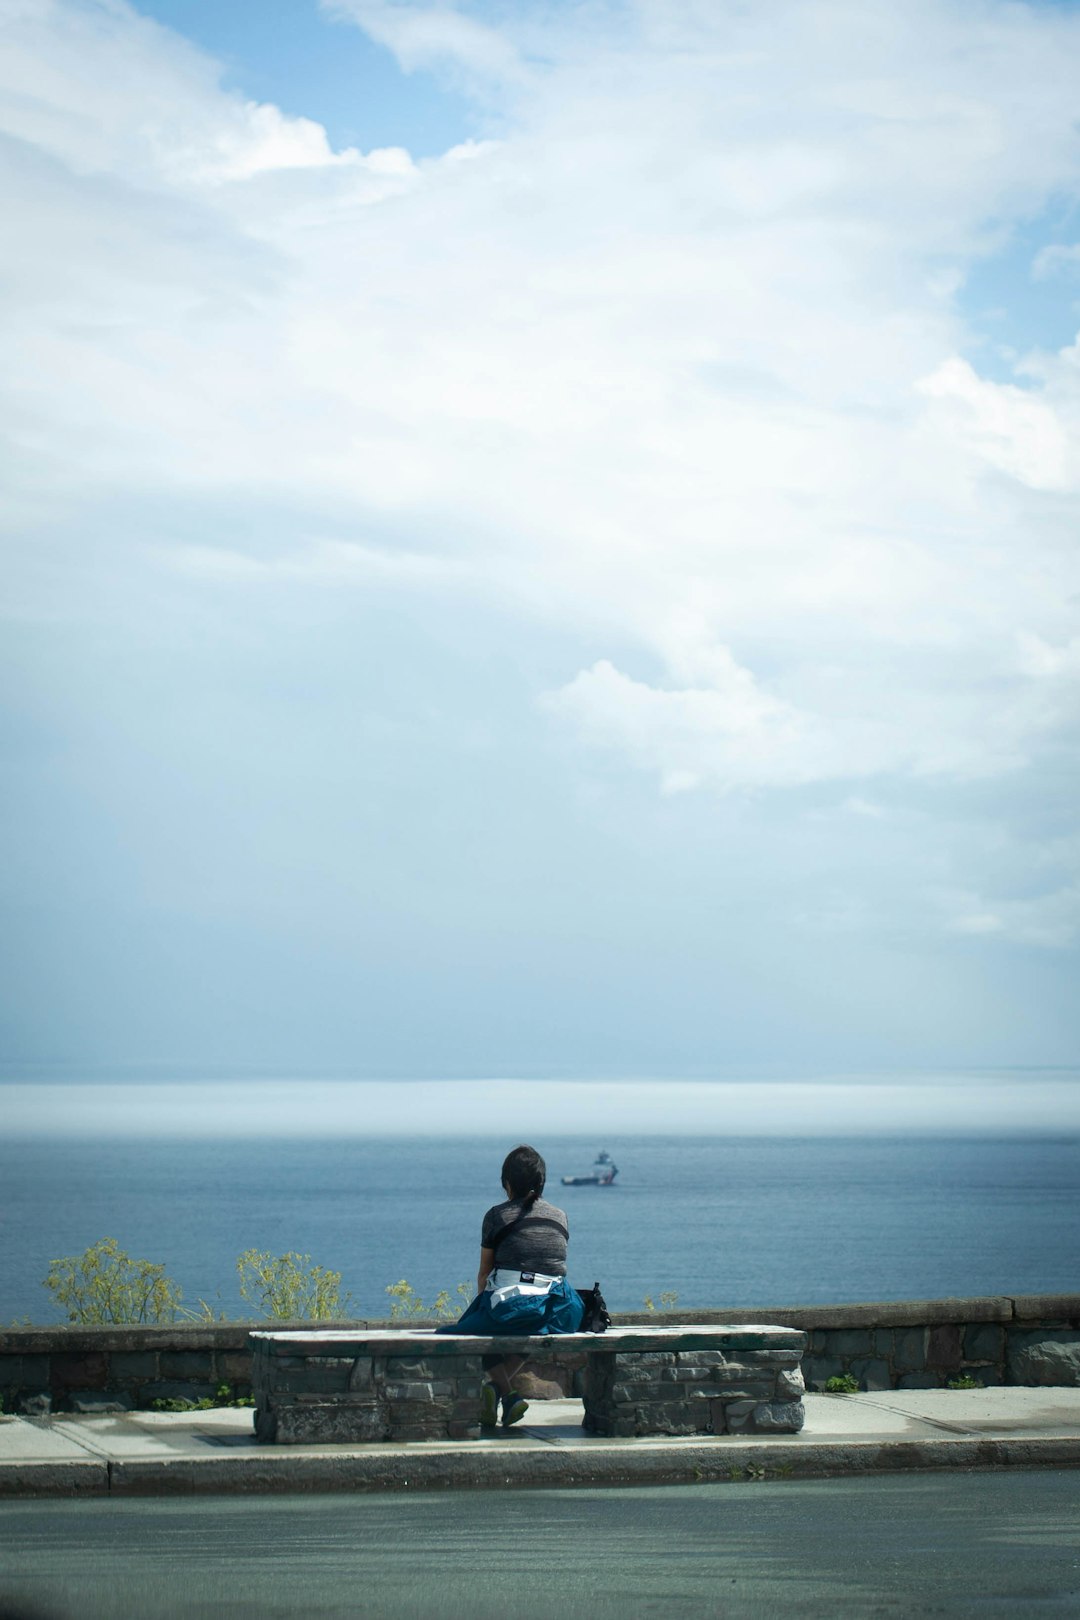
274 1473
69 1478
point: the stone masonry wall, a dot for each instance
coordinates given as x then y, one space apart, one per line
1023 1339
683 1392
1028 1340
924 1344
118 1370
310 1399
313 1386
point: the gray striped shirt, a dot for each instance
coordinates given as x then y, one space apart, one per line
538 1244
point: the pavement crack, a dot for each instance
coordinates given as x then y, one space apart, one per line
71 1433
930 1423
548 1439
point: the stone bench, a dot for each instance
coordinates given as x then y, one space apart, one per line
407 1384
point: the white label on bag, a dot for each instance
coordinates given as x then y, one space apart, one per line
519 1285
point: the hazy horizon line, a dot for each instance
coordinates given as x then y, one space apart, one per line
143 1074
593 1108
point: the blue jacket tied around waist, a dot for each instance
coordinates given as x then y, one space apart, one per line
559 1309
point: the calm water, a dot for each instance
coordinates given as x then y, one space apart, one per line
720 1222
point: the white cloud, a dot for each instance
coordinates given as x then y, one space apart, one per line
315 562
675 361
970 920
730 733
1011 428
1041 660
106 91
1050 921
1057 259
858 806
425 36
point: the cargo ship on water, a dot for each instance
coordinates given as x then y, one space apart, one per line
602 1174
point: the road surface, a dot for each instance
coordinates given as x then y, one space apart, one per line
936 1544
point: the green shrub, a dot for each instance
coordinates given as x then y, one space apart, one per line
668 1301
405 1302
287 1287
106 1285
842 1385
965 1381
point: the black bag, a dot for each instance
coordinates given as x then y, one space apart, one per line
596 1318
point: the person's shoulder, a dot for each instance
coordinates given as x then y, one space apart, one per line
498 1215
553 1210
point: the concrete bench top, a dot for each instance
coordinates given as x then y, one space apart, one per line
426 1342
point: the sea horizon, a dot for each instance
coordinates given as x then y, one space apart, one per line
207 1103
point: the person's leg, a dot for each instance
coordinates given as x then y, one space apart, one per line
514 1406
496 1387
505 1371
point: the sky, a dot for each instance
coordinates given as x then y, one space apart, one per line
540 539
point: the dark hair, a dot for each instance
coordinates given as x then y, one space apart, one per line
524 1172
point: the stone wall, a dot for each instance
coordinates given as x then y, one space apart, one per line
924 1344
310 1397
314 1386
91 1369
752 1385
1023 1339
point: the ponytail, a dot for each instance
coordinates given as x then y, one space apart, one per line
524 1173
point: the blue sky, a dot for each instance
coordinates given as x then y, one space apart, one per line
540 540
309 62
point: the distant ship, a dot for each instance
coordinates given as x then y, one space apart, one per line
602 1174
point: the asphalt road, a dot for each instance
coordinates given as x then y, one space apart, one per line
936 1544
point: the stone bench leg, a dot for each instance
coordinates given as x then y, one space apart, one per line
307 1400
683 1392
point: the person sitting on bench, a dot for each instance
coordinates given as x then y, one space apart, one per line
521 1284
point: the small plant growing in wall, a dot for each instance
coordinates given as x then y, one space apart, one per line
287 1287
668 1301
225 1395
843 1384
106 1285
965 1381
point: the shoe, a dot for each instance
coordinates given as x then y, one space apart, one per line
489 1406
514 1408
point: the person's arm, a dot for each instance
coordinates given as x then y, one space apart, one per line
487 1265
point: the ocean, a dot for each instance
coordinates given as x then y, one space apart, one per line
716 1221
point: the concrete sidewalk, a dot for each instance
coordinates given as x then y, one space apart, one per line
153 1454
